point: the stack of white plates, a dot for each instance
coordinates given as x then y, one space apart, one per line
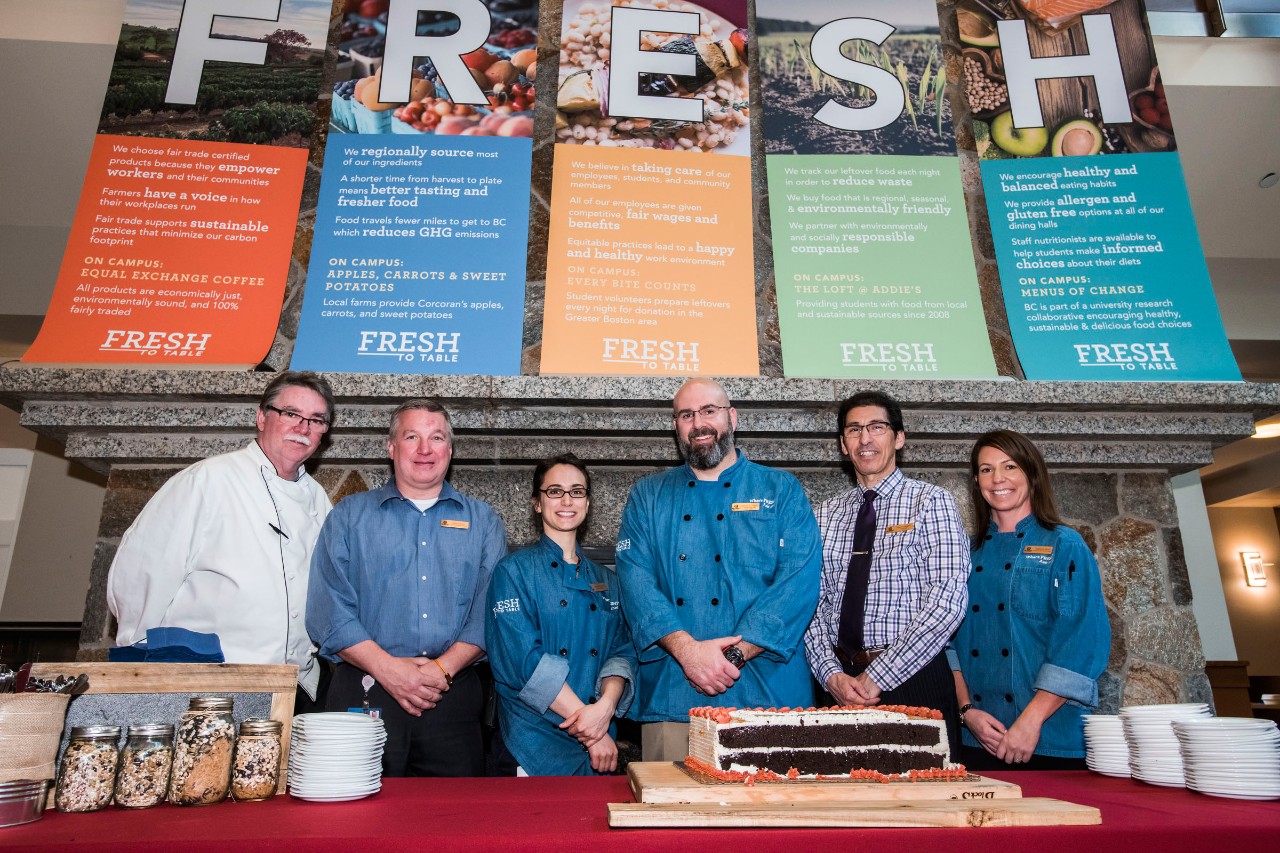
336 756
1154 754
1106 750
1231 757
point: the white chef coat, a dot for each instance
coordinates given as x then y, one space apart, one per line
204 554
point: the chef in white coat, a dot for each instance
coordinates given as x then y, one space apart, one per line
224 547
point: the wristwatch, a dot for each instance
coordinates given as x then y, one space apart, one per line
733 655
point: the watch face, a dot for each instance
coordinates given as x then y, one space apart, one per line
733 655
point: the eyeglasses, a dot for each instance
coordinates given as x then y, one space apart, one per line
708 411
556 493
875 428
291 418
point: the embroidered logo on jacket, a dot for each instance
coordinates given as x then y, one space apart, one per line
506 605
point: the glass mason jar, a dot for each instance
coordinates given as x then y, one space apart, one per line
88 772
143 780
202 752
256 771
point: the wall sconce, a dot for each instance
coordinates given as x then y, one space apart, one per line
1255 573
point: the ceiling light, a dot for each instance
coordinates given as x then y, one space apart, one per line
1269 180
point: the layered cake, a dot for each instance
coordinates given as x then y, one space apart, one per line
881 742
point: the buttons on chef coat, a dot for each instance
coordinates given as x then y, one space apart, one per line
977 698
594 653
974 653
679 602
1008 697
977 568
987 537
688 518
720 517
715 602
717 558
564 603
691 484
593 607
1020 535
975 608
1000 606
727 485
1004 652
564 653
683 558
1008 566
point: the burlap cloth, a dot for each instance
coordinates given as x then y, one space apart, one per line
30 730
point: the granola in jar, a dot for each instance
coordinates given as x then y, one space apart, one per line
202 752
143 780
256 772
88 771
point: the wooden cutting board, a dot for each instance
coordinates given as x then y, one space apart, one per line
665 782
1027 811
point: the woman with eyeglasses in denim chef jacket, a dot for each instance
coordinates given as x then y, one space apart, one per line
562 658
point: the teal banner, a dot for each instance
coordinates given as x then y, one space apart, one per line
873 262
1100 263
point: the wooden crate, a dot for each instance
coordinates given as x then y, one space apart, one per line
218 679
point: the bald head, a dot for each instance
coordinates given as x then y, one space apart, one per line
705 420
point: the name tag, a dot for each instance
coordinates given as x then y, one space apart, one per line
754 506
1046 550
599 587
900 528
453 522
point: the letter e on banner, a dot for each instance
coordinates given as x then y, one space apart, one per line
445 52
890 98
1102 63
627 62
196 43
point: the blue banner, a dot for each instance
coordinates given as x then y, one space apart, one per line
1102 271
418 261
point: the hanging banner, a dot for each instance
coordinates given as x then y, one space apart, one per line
649 261
180 248
873 263
421 241
1100 262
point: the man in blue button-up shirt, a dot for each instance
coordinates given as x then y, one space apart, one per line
398 585
719 562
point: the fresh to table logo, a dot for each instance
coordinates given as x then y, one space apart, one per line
180 344
890 357
1134 356
411 346
649 354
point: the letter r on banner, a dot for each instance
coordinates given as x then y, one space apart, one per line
1102 63
445 52
196 43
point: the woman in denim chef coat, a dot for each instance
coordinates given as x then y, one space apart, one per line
1036 637
562 659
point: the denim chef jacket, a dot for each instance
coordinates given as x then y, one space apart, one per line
547 626
1036 621
411 580
718 558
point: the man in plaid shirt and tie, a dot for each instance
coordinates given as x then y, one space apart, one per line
895 562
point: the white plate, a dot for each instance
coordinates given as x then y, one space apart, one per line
332 798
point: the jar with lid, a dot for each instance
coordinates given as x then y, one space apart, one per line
143 779
87 775
202 752
256 771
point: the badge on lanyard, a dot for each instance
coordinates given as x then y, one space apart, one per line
1046 550
453 522
753 506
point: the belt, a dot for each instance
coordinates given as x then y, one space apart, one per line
859 660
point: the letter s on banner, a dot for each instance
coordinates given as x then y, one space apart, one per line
195 44
445 52
890 98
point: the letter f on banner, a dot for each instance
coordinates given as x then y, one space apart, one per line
197 44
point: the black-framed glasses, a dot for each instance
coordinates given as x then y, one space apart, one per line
708 411
875 428
292 417
556 493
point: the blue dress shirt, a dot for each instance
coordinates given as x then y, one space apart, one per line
718 558
413 581
552 623
1036 621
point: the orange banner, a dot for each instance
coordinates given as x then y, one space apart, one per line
178 255
648 271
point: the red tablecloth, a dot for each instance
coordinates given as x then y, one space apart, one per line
569 814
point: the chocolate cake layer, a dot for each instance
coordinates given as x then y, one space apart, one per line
831 736
831 763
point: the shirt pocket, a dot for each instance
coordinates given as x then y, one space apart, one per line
1029 595
753 542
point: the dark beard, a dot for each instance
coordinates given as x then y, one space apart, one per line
706 459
